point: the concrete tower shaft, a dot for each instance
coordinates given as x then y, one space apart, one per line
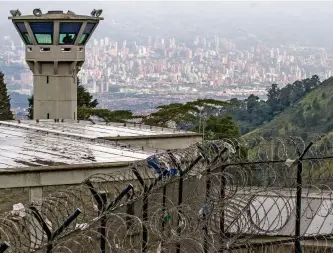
55 51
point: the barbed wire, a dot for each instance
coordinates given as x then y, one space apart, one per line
229 195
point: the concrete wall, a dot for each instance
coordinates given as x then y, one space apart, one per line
167 141
55 97
29 184
55 80
59 53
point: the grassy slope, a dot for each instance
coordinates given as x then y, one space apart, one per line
309 117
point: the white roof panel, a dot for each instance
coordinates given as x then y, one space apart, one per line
26 146
87 129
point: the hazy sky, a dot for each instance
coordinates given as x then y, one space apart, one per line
271 18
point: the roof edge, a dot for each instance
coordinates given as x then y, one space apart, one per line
65 167
158 136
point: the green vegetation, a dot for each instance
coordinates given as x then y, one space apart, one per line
85 113
31 107
84 98
219 128
223 119
310 116
252 112
202 115
5 112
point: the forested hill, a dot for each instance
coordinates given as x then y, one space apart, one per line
222 119
252 113
310 116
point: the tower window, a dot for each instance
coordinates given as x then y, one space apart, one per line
21 27
87 31
43 32
68 32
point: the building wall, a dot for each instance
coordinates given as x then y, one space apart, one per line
55 86
31 184
161 142
55 96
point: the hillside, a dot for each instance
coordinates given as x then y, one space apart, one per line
310 116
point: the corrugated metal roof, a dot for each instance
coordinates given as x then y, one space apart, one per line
87 129
26 147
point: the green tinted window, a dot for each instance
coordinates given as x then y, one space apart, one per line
21 27
87 31
43 32
27 38
43 38
83 38
63 37
68 32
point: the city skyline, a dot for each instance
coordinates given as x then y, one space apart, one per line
162 51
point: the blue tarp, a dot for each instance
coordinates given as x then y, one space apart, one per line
153 163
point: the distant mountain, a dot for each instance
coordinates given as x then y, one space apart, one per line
18 100
308 118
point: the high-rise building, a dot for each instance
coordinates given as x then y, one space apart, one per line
124 44
150 41
106 41
55 51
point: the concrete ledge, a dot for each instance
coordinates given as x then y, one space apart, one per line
63 167
144 137
161 141
55 175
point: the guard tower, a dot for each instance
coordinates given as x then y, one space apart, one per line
55 51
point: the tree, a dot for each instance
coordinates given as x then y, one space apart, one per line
220 128
187 115
84 98
202 115
31 107
297 91
5 112
273 95
252 103
120 116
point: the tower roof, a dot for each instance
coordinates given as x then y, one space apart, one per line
56 15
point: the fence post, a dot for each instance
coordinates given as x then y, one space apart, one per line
102 205
222 214
144 209
180 201
100 198
101 229
298 247
52 236
208 186
182 173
